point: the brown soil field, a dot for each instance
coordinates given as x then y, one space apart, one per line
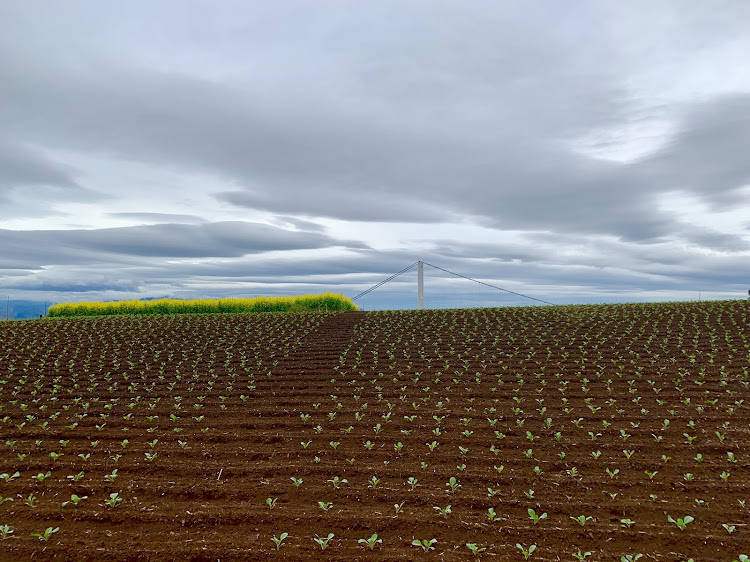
207 437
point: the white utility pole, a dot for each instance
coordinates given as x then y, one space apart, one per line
420 285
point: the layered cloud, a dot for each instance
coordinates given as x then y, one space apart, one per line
580 150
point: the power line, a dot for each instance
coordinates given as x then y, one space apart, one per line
391 278
488 284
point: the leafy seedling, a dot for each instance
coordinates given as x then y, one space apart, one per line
45 536
536 518
424 544
114 499
74 499
475 549
527 552
5 532
681 523
371 542
323 543
279 540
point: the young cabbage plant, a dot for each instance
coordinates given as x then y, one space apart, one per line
46 534
582 519
536 518
681 523
6 531
279 540
114 499
372 542
453 484
74 499
323 542
443 511
424 544
527 552
475 549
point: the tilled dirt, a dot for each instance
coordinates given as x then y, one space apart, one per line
227 431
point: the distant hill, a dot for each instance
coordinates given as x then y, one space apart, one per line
22 309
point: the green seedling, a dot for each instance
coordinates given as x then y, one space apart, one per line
424 544
41 477
271 502
337 481
412 483
582 519
8 477
443 511
681 523
536 518
296 481
323 543
631 557
453 484
581 555
729 528
111 477
527 552
491 515
75 477
114 499
5 532
627 522
279 540
74 499
45 536
371 542
325 506
475 549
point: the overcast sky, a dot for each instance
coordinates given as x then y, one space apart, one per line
582 151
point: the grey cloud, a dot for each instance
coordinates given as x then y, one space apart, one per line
158 217
560 280
299 224
484 140
709 155
222 239
21 166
